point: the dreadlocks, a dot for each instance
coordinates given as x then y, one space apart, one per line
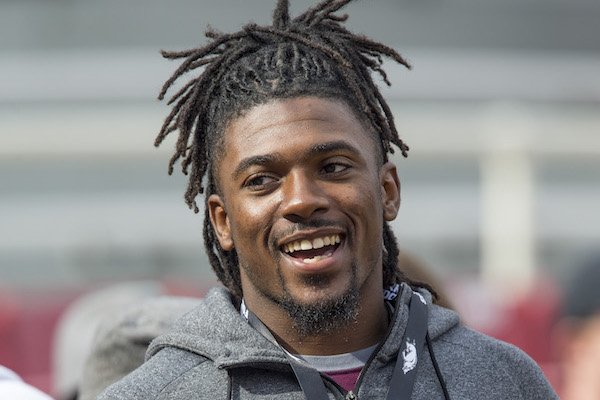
312 54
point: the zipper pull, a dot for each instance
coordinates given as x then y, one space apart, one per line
351 396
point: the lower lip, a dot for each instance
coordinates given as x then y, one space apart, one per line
317 266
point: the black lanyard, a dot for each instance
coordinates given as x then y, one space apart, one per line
405 370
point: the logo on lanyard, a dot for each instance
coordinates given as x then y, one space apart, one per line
409 355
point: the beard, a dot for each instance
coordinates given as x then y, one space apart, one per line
327 314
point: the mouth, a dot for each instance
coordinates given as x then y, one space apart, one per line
310 251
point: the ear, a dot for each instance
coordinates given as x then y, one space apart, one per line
220 221
390 191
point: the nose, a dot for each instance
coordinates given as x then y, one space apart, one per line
302 197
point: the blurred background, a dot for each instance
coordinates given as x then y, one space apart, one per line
500 191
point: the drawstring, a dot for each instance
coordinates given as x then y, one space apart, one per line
230 388
437 367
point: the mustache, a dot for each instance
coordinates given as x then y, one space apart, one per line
304 225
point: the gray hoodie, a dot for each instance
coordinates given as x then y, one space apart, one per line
213 353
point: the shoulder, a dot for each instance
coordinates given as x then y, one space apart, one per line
171 373
494 368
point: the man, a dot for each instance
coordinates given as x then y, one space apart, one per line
288 137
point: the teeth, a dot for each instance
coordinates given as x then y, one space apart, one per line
316 243
312 260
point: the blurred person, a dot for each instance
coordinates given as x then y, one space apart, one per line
288 137
77 328
122 339
580 333
12 387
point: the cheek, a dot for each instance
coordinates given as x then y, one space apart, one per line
364 198
250 223
250 208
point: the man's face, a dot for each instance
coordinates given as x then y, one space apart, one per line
302 202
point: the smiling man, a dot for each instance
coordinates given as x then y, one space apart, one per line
287 136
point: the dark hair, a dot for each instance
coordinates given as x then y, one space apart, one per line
310 55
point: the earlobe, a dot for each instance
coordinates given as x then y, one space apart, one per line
220 222
390 191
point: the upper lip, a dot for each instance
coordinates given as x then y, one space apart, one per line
309 235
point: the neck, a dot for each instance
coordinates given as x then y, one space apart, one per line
367 329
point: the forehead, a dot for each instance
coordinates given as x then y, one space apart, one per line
288 124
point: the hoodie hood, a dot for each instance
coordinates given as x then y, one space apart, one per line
216 330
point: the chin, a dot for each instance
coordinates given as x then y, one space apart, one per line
321 308
323 315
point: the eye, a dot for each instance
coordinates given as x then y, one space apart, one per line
259 181
335 168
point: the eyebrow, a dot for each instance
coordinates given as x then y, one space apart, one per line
317 149
329 147
248 162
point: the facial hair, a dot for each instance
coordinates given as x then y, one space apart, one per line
326 315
